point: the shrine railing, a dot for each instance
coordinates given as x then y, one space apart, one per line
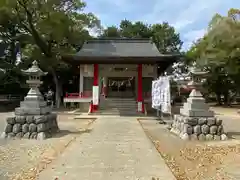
9 97
85 94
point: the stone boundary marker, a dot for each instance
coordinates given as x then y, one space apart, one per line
31 127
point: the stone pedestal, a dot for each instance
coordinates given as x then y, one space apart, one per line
196 121
33 119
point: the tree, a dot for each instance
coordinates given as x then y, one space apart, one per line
12 39
163 35
54 28
111 32
219 52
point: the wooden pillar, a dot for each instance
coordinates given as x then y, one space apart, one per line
80 79
95 83
140 107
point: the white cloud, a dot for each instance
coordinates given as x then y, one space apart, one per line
190 18
191 37
194 35
181 13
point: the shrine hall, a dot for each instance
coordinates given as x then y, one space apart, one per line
117 69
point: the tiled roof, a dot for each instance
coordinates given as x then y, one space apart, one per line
119 48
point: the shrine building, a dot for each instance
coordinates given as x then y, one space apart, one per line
118 69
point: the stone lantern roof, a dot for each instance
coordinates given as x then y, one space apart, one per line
34 70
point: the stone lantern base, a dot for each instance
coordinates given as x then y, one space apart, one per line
196 121
32 120
31 127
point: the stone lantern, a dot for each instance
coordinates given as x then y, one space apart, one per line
33 103
33 119
196 121
195 105
34 73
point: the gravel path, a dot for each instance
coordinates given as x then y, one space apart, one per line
117 148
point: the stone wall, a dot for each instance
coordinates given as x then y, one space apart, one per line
31 127
198 128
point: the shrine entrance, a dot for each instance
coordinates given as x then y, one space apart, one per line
121 87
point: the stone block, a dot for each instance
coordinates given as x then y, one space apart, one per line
224 137
19 135
197 129
41 136
196 113
185 136
193 121
220 130
205 129
17 128
20 119
211 121
41 127
3 135
194 105
187 129
26 135
33 104
25 128
11 120
30 119
202 120
209 137
33 135
218 122
213 130
41 119
201 137
216 137
8 128
32 128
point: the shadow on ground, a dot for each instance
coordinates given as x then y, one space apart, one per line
62 133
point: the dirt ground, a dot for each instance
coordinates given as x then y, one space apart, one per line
23 159
219 160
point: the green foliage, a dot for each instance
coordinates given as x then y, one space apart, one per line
163 35
49 29
219 52
53 27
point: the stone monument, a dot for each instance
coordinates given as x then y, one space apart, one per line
196 121
33 119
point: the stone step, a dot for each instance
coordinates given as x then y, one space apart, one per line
119 99
114 113
117 106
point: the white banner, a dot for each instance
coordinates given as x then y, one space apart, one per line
156 91
161 94
166 103
95 95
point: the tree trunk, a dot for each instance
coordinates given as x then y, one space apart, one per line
219 101
226 99
58 88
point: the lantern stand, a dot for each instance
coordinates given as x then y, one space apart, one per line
196 121
33 119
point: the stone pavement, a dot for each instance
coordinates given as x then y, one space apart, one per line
224 111
116 149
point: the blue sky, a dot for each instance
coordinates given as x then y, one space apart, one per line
189 17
